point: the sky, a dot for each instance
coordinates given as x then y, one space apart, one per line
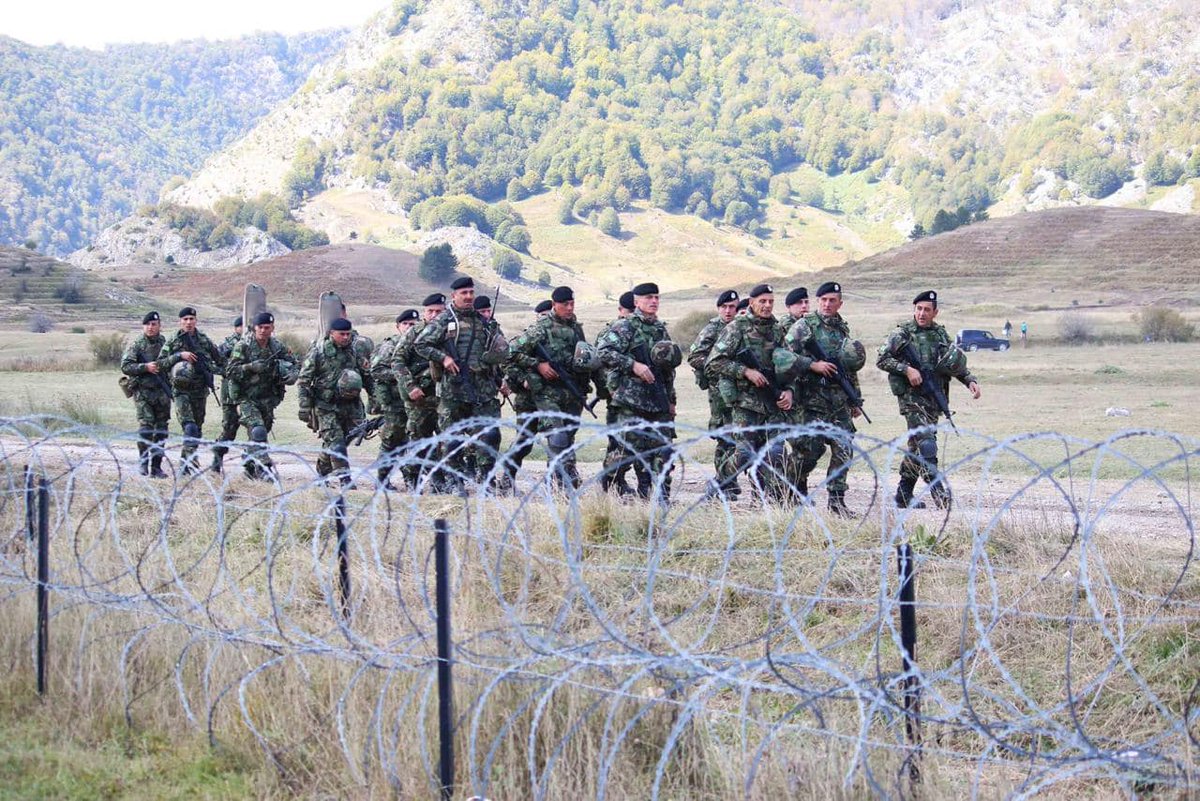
92 23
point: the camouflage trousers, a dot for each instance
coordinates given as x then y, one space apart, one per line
153 410
394 432
761 450
473 451
617 476
333 423
526 434
190 407
838 436
422 419
252 414
922 457
719 416
230 421
560 433
647 449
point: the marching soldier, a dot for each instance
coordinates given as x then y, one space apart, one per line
414 382
229 413
192 379
145 366
614 478
259 370
467 349
388 400
796 302
917 350
824 400
556 349
331 383
522 383
719 412
741 365
641 359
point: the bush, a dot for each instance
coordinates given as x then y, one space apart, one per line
438 263
71 290
685 330
298 344
1075 328
507 264
78 329
107 349
544 278
40 323
1160 324
609 223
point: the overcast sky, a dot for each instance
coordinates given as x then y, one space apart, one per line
95 23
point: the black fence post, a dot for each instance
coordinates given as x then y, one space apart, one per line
343 555
30 506
441 562
43 578
908 641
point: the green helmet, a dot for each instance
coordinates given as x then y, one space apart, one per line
786 363
183 376
953 361
362 346
854 355
666 354
587 358
349 385
497 350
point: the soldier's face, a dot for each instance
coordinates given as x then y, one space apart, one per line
188 324
237 329
464 298
924 313
763 305
434 311
726 311
405 326
341 338
829 304
485 313
799 309
646 304
151 329
263 332
565 310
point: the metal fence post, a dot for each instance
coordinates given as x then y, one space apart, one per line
343 555
43 578
30 506
908 642
441 561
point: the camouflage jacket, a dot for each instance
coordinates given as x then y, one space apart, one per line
387 392
936 349
559 337
326 373
616 346
481 348
226 346
141 352
208 356
275 366
833 334
725 369
698 352
410 369
601 384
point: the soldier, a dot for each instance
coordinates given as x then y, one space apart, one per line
743 307
741 365
543 308
797 306
260 368
522 384
719 412
144 366
192 379
229 414
468 350
824 400
936 351
641 359
494 376
388 400
556 349
414 382
331 383
614 478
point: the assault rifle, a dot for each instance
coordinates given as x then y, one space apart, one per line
202 366
931 385
565 379
364 430
659 388
464 377
855 399
772 392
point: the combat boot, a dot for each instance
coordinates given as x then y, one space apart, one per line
904 494
382 477
939 491
143 459
156 470
838 507
191 466
218 462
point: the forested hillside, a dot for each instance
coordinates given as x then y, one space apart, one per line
86 136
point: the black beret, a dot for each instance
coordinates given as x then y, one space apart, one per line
743 303
927 296
543 306
406 315
150 317
829 287
761 289
264 318
340 324
795 296
728 296
562 294
482 302
464 282
187 311
648 288
626 301
237 321
436 299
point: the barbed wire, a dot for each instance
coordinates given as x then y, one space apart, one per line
608 647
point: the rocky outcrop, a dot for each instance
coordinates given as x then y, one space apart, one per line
145 240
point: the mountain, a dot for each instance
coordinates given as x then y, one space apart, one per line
86 136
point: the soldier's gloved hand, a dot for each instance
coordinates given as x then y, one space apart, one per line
373 406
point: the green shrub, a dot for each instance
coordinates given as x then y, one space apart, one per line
1160 324
506 264
107 348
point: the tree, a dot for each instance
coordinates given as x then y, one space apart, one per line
437 263
609 223
507 264
917 231
943 221
566 205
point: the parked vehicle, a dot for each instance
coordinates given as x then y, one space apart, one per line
975 339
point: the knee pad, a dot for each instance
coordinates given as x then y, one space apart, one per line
191 430
559 440
258 434
927 448
491 438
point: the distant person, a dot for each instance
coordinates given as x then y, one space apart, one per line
1008 329
145 366
1024 333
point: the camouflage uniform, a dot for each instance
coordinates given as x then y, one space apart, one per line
521 385
720 413
558 335
390 404
191 397
750 406
229 409
412 372
331 383
635 401
151 397
937 350
473 391
256 377
615 478
823 400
